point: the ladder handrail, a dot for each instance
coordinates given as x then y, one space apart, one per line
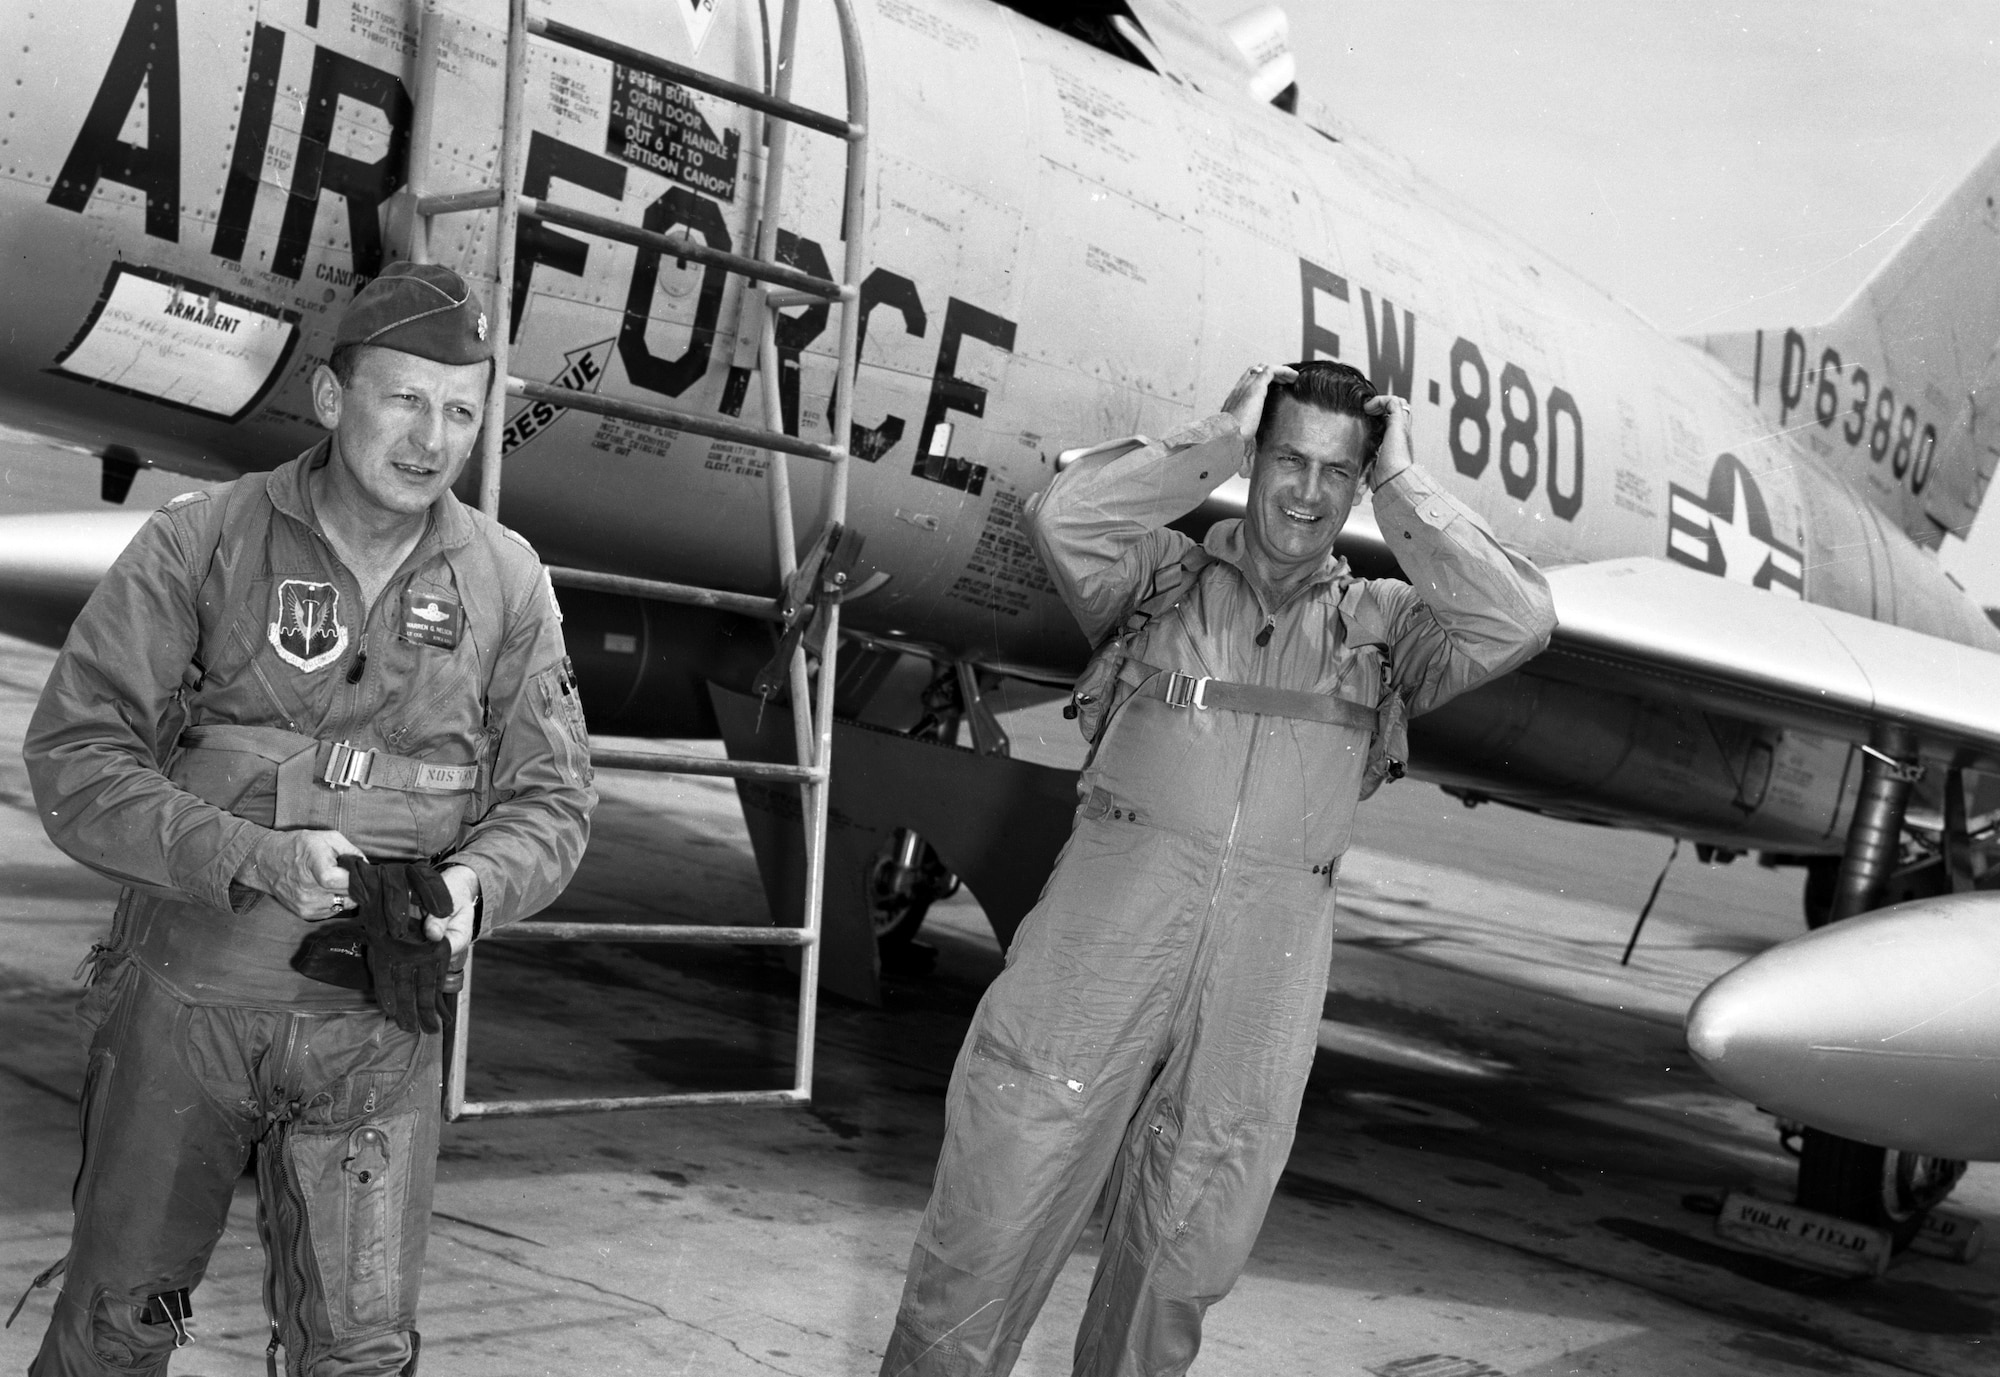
812 702
513 157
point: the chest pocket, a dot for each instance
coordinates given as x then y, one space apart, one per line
438 656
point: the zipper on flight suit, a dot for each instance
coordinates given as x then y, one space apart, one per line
993 1051
291 1199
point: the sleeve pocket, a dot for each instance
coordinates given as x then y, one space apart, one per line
560 709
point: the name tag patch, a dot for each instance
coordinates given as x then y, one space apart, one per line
431 619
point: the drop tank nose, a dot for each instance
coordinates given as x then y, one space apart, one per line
1883 1028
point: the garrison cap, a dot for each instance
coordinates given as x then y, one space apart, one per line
422 309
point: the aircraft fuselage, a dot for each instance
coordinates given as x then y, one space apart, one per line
1063 247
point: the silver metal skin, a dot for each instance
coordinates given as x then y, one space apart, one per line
1884 1028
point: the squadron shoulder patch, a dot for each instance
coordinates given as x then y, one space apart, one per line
308 634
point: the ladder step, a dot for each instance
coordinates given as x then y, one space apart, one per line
583 42
744 604
673 763
453 202
671 419
698 934
680 244
516 1109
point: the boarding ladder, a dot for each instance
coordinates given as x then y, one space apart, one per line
806 587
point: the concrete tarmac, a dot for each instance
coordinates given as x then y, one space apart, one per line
1503 1166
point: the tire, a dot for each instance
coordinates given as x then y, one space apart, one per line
898 903
1870 1185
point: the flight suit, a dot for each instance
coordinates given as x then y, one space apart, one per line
1157 1016
218 677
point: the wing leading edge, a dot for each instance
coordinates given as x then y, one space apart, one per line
1650 626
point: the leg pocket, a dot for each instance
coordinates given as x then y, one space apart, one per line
124 1339
356 1183
1010 1141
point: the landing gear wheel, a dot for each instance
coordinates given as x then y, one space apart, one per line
1870 1185
895 914
905 880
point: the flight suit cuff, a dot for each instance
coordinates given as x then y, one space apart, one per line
1195 459
1210 437
492 885
1412 499
216 885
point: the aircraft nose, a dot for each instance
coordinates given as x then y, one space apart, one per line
1884 1028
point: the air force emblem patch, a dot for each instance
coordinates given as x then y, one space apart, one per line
308 634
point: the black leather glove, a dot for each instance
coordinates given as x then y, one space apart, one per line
406 968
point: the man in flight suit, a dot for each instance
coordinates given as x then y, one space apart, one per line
1157 1017
332 659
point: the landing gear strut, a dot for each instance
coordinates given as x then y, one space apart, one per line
907 876
1879 1186
906 879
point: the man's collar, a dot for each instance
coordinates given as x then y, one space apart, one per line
449 525
1227 542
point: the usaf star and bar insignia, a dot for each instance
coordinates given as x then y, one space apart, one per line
1727 532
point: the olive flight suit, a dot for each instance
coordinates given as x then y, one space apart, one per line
1158 1013
223 680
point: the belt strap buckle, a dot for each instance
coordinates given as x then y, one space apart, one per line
348 766
1186 690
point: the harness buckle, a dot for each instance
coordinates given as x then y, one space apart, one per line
1186 690
348 766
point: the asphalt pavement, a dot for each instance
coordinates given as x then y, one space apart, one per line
1504 1164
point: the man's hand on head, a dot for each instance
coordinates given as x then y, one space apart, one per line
301 870
1246 402
1394 455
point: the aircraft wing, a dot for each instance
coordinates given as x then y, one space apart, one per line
50 562
1650 626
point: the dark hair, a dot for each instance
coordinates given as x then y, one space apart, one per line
342 361
1330 386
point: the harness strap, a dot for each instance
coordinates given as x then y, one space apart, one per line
1179 690
337 764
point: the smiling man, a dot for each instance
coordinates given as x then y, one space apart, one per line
325 690
1157 1017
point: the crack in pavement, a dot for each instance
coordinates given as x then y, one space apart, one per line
485 1228
553 1275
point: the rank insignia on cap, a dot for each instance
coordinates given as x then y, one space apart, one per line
419 308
